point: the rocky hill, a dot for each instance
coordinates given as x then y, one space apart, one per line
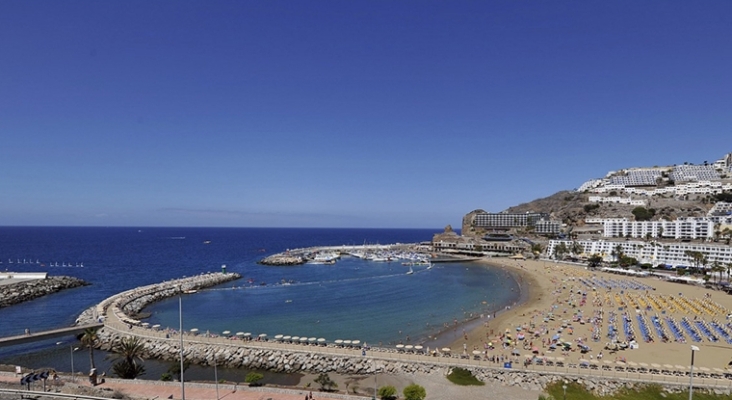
572 208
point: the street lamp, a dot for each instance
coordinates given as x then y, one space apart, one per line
72 349
564 388
691 372
180 331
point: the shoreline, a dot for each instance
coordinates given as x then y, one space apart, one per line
527 299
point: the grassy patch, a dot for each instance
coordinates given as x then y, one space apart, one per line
650 392
463 377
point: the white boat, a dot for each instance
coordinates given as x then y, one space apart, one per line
429 265
410 272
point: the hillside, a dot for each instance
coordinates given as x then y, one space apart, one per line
569 207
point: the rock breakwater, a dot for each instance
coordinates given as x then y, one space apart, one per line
19 292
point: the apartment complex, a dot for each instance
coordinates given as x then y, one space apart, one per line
678 180
654 253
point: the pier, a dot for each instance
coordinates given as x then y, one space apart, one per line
49 334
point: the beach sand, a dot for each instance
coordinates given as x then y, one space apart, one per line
553 288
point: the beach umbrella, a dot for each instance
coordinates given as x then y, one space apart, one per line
401 346
408 347
490 343
194 331
668 366
279 337
347 342
247 334
515 352
303 339
556 337
286 337
446 350
418 347
262 335
240 334
321 340
226 333
297 339
312 339
356 342
338 341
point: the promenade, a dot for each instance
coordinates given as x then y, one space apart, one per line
50 334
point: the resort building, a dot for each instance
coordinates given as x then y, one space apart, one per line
654 253
479 223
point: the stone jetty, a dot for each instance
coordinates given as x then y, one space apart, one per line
18 292
283 260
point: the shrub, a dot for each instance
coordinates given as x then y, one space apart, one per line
253 378
387 393
414 392
461 376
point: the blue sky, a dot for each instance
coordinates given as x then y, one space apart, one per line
345 113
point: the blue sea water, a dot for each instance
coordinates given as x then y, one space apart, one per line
353 299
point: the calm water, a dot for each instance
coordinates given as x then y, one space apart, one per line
353 299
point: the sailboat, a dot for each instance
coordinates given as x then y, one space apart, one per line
411 271
429 265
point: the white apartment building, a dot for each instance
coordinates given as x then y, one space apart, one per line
683 228
617 200
654 253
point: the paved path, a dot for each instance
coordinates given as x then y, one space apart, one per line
54 333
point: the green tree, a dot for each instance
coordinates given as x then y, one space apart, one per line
129 351
537 249
89 339
253 378
174 369
414 392
387 392
325 382
560 251
594 261
643 214
576 248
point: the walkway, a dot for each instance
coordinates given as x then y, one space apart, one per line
50 334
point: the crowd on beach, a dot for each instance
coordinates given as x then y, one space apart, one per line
582 316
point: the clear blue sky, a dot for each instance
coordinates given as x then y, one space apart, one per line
345 113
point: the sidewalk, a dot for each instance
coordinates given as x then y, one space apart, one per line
143 389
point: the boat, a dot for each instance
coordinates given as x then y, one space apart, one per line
429 265
410 272
206 242
190 291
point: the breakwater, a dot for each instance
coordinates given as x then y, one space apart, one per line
18 292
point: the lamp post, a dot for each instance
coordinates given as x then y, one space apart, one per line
564 388
691 372
72 349
180 331
216 377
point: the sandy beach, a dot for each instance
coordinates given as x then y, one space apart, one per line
563 302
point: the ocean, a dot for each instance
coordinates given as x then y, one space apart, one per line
377 303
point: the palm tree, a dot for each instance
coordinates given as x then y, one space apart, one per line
717 267
89 339
129 351
577 248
